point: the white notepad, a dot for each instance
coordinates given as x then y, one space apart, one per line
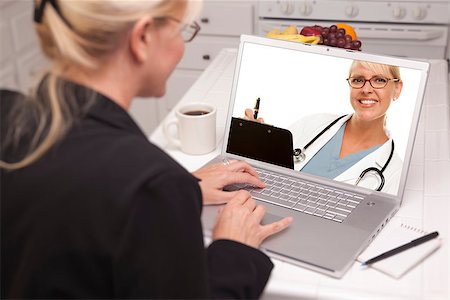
394 235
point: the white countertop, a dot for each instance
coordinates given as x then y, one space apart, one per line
426 203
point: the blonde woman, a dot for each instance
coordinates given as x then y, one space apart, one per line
355 148
90 208
358 144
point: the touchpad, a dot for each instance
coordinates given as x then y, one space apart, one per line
270 218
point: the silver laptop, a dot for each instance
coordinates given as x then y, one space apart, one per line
303 89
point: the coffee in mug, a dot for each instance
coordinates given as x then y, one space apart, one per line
196 112
196 128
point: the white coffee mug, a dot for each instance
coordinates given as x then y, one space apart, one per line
196 128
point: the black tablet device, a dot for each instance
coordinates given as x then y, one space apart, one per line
261 142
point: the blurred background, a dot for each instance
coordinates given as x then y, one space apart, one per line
410 28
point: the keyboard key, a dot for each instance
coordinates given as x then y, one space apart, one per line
266 192
312 205
322 207
303 202
309 210
299 207
343 202
339 219
285 190
353 201
319 213
329 215
342 209
337 212
322 201
275 194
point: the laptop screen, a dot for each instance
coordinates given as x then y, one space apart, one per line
351 115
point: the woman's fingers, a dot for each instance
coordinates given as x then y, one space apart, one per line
242 177
239 165
240 220
249 114
250 204
242 173
240 197
275 227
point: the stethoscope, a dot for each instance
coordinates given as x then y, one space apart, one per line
300 156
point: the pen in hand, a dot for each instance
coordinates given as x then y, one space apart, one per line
402 248
256 109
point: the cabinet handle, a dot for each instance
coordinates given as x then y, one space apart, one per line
204 20
206 57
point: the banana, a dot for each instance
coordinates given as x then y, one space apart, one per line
290 30
295 37
274 32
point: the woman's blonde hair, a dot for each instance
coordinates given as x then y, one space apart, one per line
387 70
81 34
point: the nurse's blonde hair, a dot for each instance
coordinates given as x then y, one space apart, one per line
382 69
81 33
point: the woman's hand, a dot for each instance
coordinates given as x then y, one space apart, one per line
215 177
240 220
249 116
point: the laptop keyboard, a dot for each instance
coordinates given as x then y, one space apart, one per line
303 196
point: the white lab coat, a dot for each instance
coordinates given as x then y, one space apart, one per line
305 129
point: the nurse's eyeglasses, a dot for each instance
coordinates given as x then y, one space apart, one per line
188 31
377 82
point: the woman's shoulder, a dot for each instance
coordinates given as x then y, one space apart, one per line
310 124
10 99
128 153
317 118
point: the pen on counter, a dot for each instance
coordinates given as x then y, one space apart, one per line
402 248
256 109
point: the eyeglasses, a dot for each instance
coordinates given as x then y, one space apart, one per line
377 82
187 31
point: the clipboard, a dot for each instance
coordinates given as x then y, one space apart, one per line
261 142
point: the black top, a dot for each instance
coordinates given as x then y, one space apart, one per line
107 214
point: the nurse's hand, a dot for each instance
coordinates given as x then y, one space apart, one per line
216 176
250 116
240 220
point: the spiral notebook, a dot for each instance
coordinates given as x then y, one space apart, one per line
396 234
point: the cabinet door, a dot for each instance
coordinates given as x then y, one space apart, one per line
227 18
199 54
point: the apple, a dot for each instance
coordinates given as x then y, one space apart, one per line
308 31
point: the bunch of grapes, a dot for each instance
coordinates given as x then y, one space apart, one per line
336 37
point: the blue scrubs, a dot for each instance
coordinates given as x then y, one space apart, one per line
326 162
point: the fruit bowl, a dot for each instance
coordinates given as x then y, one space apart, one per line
290 33
339 35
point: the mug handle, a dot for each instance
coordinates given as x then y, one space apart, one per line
174 141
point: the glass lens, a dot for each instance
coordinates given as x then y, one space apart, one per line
378 82
356 82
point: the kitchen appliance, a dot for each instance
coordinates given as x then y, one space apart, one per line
410 28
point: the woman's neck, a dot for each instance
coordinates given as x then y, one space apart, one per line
110 80
361 135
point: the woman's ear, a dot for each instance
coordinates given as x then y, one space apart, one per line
141 39
398 89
